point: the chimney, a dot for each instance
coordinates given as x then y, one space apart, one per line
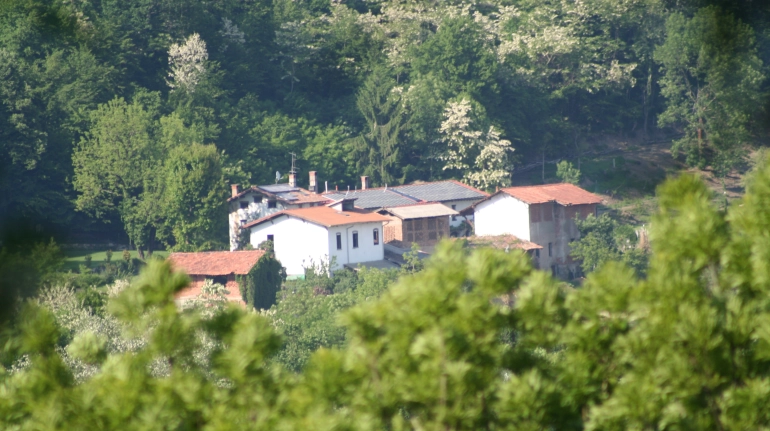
364 182
234 189
293 180
313 186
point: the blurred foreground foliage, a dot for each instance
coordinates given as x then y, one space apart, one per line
474 341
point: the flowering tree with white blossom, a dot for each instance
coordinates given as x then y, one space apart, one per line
188 63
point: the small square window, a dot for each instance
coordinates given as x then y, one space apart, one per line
271 204
244 205
271 238
355 239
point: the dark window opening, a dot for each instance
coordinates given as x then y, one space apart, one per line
355 239
271 204
550 249
376 236
257 199
537 253
271 238
454 207
339 241
244 205
220 279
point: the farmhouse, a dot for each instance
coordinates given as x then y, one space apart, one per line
424 224
337 233
219 266
260 201
450 193
543 215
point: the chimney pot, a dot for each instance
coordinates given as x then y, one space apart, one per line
313 184
235 189
364 182
293 180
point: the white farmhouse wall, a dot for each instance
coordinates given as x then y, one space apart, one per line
459 205
297 243
502 214
254 211
367 251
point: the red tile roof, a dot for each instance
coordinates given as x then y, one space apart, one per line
324 216
563 193
216 262
502 242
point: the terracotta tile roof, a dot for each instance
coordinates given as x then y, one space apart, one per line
216 262
324 216
563 193
502 242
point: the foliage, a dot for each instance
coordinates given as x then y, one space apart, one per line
712 76
602 240
567 173
260 286
308 311
683 348
187 61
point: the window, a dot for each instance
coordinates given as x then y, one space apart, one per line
271 238
454 207
339 241
271 204
257 199
376 236
355 239
537 253
550 249
244 205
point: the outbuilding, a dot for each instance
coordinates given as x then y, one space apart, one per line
544 215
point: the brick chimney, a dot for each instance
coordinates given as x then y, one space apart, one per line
234 189
293 180
364 182
313 184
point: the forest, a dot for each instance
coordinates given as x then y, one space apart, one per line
130 119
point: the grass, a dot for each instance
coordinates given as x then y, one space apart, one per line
75 258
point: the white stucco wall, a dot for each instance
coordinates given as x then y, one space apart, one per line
459 205
254 211
502 214
367 251
296 242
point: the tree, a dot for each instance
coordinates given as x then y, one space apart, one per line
493 164
379 146
194 197
603 240
482 159
567 173
711 81
115 167
188 63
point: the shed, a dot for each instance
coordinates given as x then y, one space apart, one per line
424 224
220 266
